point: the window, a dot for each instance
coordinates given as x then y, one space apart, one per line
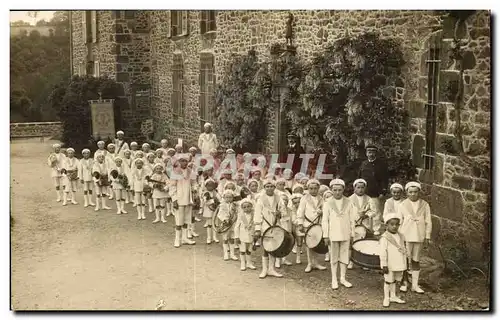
207 84
178 85
178 23
81 69
432 104
90 68
93 26
207 21
89 26
97 71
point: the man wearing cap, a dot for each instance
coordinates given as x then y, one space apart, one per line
376 175
120 144
207 140
295 148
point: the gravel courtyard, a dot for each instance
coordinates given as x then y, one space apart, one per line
72 258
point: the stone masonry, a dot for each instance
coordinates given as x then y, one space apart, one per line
135 48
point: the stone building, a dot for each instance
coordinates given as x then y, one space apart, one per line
168 63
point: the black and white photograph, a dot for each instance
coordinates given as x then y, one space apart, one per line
250 160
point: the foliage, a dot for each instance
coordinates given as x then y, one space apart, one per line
345 98
37 63
243 100
74 109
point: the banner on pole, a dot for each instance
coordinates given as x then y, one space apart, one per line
103 119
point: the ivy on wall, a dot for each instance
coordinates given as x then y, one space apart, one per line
243 100
338 102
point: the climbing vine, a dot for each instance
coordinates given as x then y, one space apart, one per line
243 100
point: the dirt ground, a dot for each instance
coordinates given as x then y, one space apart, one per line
72 258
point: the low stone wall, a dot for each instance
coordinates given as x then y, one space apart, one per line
35 129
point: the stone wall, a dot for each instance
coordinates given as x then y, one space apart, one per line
456 188
35 129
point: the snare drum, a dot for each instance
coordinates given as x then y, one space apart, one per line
366 253
278 242
314 239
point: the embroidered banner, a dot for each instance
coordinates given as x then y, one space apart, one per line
103 119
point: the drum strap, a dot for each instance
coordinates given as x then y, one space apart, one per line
272 225
394 243
121 145
317 208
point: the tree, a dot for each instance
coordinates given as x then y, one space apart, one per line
20 23
34 15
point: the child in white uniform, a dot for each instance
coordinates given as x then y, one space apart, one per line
160 192
338 229
100 149
85 175
299 237
149 164
101 181
227 212
138 174
117 179
56 161
134 147
70 176
244 230
210 200
127 162
327 195
392 204
146 148
286 223
392 257
416 227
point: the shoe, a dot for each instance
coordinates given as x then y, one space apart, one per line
287 263
397 300
319 267
308 268
335 284
386 302
156 221
403 288
345 283
349 266
197 220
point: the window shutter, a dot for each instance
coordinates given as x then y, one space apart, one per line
84 26
185 23
97 70
94 26
169 23
203 22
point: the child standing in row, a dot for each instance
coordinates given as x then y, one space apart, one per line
392 204
209 202
101 182
160 192
138 175
70 176
119 182
85 175
244 230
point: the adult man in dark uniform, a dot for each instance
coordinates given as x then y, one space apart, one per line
375 172
296 149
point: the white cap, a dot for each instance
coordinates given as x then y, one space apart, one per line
208 180
163 141
85 151
193 149
56 145
327 192
230 151
359 181
337 182
158 165
70 150
138 160
228 192
295 195
312 181
246 200
133 143
145 144
119 132
396 186
118 158
207 124
392 215
269 181
111 145
413 184
101 143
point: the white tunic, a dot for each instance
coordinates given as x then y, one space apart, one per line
71 164
157 193
208 198
59 164
360 204
390 256
85 169
102 168
338 219
139 178
123 145
207 142
391 206
310 208
266 209
115 183
182 188
244 227
417 224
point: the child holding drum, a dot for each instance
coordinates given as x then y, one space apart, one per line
286 223
392 257
299 236
338 228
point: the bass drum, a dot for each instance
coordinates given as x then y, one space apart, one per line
314 239
278 242
366 253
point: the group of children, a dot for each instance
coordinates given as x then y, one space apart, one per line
249 202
